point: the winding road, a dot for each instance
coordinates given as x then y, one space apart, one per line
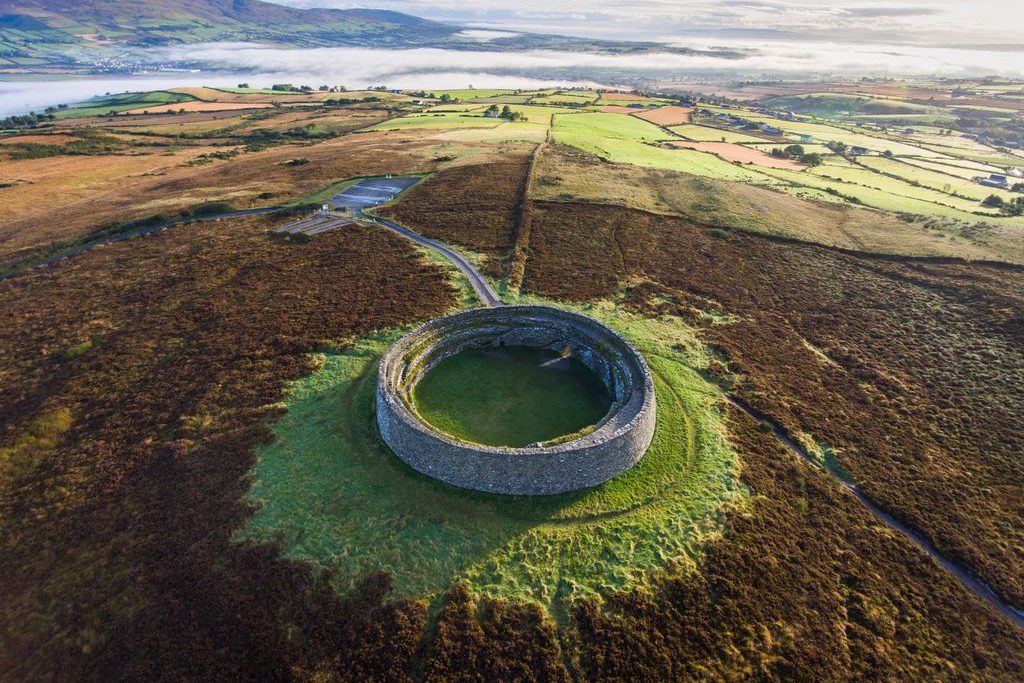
489 297
480 284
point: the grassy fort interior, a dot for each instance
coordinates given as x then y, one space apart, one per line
510 396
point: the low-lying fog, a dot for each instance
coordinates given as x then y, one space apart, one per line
220 64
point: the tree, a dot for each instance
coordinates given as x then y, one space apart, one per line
887 154
506 113
993 200
836 146
794 150
493 109
1017 187
244 86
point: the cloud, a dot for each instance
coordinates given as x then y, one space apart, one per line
892 11
923 22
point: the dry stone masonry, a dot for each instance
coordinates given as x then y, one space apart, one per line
577 461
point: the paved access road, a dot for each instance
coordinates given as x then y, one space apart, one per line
480 284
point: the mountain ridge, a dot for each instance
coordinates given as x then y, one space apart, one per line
128 22
102 35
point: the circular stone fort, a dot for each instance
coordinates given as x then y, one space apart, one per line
582 458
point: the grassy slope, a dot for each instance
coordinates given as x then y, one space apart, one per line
335 495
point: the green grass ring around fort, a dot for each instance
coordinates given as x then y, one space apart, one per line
575 431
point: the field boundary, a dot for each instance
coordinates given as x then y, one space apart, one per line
521 244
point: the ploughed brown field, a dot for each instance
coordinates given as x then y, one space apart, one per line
666 116
196 106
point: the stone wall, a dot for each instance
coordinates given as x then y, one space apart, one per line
615 445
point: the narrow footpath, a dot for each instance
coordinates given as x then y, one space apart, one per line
961 574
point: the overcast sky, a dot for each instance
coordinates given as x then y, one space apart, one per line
923 22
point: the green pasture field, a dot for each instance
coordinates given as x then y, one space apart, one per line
957 141
958 167
539 114
501 99
122 102
620 138
331 492
933 179
560 98
986 155
504 131
625 103
699 133
823 133
862 176
872 196
461 107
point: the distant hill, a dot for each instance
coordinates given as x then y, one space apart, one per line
70 34
154 22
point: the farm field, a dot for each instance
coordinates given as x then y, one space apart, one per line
440 120
563 98
958 167
866 178
879 194
737 153
628 140
567 174
667 116
825 133
197 106
934 179
700 133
